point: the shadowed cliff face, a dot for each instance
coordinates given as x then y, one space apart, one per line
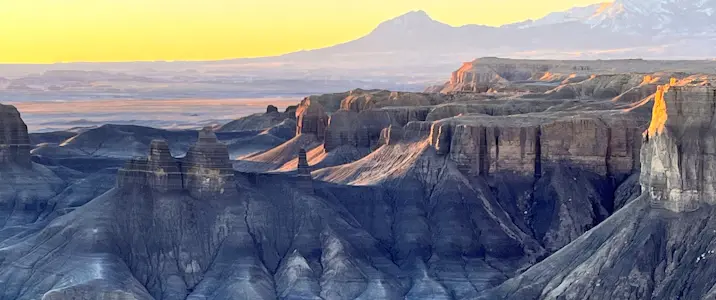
678 173
14 140
661 242
25 187
500 195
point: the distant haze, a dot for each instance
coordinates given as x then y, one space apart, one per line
44 31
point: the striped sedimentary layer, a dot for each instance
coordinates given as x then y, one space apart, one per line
14 139
205 170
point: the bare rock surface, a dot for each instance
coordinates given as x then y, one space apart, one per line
311 118
660 241
530 180
14 139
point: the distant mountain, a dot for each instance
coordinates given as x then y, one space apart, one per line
622 29
575 14
656 18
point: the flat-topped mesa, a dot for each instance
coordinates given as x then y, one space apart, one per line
14 139
483 74
159 171
679 153
530 145
311 118
206 167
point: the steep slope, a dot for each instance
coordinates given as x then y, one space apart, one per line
659 245
25 187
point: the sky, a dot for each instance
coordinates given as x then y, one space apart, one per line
48 31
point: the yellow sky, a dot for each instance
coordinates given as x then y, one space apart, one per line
43 31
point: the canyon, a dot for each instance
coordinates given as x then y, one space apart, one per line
515 179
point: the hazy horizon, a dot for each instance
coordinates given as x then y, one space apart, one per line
125 31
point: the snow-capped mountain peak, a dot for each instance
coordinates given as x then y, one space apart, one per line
658 18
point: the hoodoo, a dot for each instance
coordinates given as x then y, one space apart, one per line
305 181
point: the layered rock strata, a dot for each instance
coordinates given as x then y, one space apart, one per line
311 118
348 128
481 145
205 171
159 171
601 78
303 172
14 139
206 167
679 171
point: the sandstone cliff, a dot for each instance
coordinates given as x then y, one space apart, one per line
311 118
602 78
678 172
660 241
605 143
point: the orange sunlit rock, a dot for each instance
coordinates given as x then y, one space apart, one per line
659 116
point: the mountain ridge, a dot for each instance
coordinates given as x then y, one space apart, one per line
603 30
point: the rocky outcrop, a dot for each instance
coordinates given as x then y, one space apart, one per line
206 167
629 87
405 115
303 172
14 139
159 171
679 150
311 118
360 100
348 128
342 130
291 111
482 145
204 172
391 135
572 78
477 78
661 241
260 121
502 107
